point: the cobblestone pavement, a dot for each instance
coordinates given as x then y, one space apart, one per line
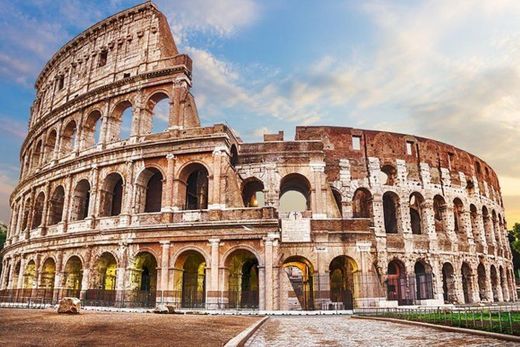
345 331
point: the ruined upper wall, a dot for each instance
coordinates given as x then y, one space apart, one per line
129 43
389 147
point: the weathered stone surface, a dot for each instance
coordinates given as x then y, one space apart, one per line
69 305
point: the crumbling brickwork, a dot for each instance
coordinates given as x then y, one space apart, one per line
195 217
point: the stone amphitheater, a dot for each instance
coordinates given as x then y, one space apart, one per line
119 211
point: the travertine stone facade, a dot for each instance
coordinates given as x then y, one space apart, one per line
195 217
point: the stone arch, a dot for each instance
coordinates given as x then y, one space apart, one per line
142 278
439 213
342 283
91 130
159 109
26 214
448 283
29 275
494 282
300 274
482 282
488 229
69 137
503 283
467 282
112 195
38 210
37 154
423 280
336 194
73 276
295 193
362 204
233 159
104 274
391 212
122 117
191 282
149 190
396 282
253 192
48 273
242 282
417 217
194 186
50 145
56 205
80 201
458 210
389 174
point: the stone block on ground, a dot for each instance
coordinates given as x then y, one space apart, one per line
69 305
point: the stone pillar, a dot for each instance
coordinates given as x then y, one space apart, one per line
214 198
46 207
57 145
168 194
94 189
165 265
128 195
213 294
318 199
10 284
489 287
268 272
261 288
67 202
19 285
363 248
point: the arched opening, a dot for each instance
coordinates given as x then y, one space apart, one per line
486 220
72 277
482 287
121 120
92 130
37 155
253 193
396 283
27 162
234 156
192 283
416 213
29 275
143 279
242 267
16 274
148 190
388 175
112 195
494 282
439 212
50 145
196 181
104 274
467 283
391 210
38 210
80 201
300 276
423 281
337 199
26 214
448 284
295 194
56 205
341 279
458 210
48 274
159 109
494 227
69 138
362 204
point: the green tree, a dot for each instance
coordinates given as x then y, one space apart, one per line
3 235
514 239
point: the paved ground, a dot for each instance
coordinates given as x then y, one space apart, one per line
344 331
23 327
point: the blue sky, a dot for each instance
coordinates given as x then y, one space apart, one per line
443 69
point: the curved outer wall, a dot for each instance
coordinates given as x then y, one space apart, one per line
390 219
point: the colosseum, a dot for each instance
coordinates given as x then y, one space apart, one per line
118 211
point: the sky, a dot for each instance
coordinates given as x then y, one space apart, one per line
448 70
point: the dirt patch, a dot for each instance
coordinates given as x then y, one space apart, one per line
47 328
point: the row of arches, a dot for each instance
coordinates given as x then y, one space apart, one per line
78 133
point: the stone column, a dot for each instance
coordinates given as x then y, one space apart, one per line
268 265
213 294
318 199
128 195
214 198
67 203
165 265
19 285
94 196
363 248
46 206
57 145
10 284
168 195
261 288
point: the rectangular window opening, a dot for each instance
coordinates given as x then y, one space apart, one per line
409 148
356 143
102 58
